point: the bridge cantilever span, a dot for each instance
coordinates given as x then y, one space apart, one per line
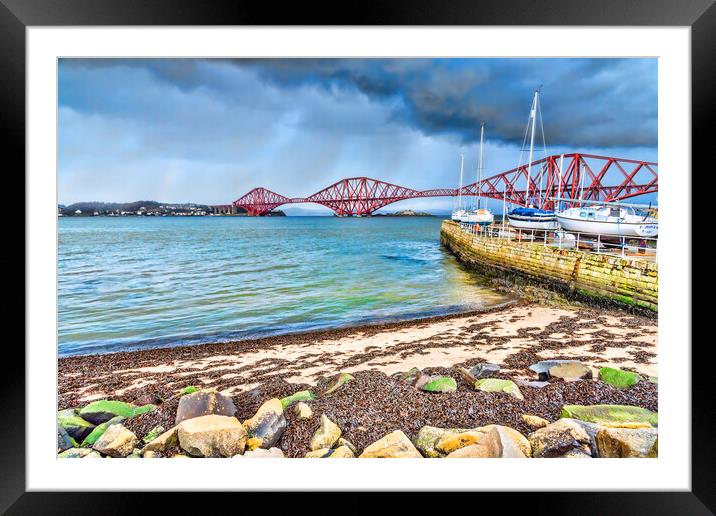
573 176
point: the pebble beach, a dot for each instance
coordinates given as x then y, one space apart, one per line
394 381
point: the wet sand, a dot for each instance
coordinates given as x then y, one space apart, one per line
513 337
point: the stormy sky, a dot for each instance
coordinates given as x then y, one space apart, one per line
209 130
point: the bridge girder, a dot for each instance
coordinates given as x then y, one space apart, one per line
572 176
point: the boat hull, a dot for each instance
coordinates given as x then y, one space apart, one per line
525 223
596 227
481 217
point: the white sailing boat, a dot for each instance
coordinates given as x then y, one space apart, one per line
460 215
609 219
532 217
480 215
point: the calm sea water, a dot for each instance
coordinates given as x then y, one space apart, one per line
130 283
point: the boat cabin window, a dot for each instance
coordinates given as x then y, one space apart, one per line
614 212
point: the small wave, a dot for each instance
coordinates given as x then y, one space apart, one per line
404 258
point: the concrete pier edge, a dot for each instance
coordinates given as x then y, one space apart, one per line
594 279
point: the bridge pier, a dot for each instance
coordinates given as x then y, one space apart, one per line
223 209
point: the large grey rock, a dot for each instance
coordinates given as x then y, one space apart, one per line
64 441
267 425
204 403
484 370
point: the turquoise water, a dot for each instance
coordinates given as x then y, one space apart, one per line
138 282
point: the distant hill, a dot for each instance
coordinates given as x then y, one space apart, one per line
90 208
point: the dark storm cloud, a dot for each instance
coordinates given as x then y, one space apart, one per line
585 102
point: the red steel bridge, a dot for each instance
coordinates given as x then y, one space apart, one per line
571 176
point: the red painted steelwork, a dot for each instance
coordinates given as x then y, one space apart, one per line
583 176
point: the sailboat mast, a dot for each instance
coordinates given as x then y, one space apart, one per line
479 167
459 192
533 115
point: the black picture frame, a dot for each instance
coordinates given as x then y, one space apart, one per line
17 15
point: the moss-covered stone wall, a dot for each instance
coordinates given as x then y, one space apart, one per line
588 276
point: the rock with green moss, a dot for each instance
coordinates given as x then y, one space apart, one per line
143 409
163 442
338 381
74 453
99 430
75 426
610 415
440 384
617 378
153 434
297 396
101 411
499 385
428 436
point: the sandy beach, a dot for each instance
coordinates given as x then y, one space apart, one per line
513 337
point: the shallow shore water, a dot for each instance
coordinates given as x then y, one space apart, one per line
152 282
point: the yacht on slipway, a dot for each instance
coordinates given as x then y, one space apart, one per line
609 219
532 217
480 215
460 214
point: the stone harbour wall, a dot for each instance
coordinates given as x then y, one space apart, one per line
590 277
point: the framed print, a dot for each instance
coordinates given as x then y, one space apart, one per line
425 233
